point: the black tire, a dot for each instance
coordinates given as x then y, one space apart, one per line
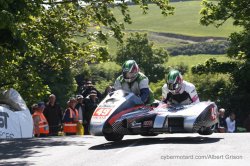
113 137
207 131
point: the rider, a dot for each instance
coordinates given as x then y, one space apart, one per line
178 91
132 80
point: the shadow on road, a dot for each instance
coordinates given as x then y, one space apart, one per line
150 141
23 148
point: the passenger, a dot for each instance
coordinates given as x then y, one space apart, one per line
178 91
41 127
132 80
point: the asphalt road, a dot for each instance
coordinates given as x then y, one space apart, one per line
165 149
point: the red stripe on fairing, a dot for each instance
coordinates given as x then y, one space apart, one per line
195 98
114 118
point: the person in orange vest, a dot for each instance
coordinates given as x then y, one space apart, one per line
41 127
70 118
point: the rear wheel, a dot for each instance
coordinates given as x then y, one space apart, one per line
113 137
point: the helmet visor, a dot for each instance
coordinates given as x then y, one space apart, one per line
172 86
128 75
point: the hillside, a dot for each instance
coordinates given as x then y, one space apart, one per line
185 21
179 29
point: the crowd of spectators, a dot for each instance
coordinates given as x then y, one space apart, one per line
79 111
226 124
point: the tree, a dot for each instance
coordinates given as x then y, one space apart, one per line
104 74
217 14
150 60
38 47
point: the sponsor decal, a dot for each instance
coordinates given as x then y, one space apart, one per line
4 119
99 118
135 125
4 124
107 105
6 135
148 123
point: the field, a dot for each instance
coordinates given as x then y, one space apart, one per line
175 30
193 60
185 21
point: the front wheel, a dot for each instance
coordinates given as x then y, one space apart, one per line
113 137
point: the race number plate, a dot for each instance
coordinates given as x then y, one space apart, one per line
102 111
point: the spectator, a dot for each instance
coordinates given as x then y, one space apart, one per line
222 125
33 108
91 103
231 124
247 123
81 108
41 127
53 114
88 88
108 90
70 118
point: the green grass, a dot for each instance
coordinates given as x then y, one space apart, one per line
194 59
185 21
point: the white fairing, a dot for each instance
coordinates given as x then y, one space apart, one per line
105 109
188 112
185 110
15 118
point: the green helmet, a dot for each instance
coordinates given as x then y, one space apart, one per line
130 70
174 81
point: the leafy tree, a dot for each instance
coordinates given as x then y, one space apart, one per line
212 66
150 60
214 87
218 47
217 14
37 42
157 88
104 74
183 68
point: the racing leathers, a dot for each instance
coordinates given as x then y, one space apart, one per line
186 95
139 87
